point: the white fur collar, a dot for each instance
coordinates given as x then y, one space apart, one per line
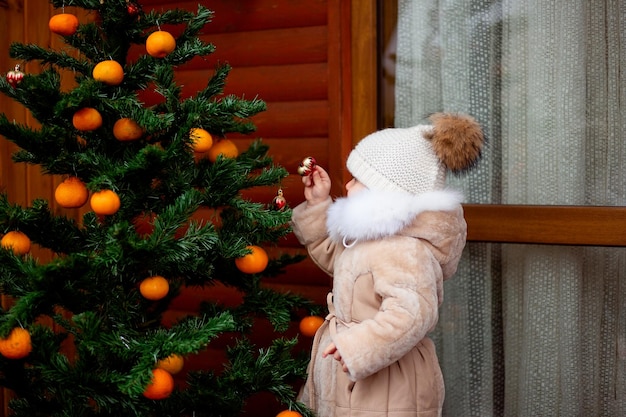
370 215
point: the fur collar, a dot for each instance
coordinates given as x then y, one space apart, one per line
371 215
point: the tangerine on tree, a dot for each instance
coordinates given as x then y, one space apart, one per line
154 288
224 147
160 44
172 364
254 262
64 24
161 386
288 413
16 241
87 119
126 129
109 72
17 344
105 202
308 326
201 140
71 193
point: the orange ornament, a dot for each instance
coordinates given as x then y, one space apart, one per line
87 119
224 147
71 193
154 288
17 345
64 24
105 202
288 413
16 241
202 140
109 72
172 364
254 262
161 386
126 129
160 43
310 324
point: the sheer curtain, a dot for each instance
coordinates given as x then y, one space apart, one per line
528 330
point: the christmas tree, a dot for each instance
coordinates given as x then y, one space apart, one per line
84 333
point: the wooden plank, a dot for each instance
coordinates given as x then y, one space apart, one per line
244 15
289 152
365 71
267 47
12 176
308 119
339 91
294 45
269 83
557 225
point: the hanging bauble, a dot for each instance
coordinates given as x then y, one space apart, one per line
279 201
133 9
307 166
15 77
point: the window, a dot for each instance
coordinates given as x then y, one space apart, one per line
535 327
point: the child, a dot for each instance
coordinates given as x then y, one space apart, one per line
389 245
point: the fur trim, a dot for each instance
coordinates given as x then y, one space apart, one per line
457 141
371 215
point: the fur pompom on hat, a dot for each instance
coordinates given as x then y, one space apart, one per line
415 159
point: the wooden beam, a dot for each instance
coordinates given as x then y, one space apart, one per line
557 225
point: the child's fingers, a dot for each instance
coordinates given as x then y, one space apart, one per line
330 349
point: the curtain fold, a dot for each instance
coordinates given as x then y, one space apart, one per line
528 330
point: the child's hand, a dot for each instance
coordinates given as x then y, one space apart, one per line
316 186
331 349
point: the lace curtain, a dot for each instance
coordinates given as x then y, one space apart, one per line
528 330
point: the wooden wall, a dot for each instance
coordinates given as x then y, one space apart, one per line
312 61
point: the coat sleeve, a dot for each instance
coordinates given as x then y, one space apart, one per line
309 226
405 277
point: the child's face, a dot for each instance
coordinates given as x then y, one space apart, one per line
354 186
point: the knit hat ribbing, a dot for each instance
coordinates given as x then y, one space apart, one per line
415 159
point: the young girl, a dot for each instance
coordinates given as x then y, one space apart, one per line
389 245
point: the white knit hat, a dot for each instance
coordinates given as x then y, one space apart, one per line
415 159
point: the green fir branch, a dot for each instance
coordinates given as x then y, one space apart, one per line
197 22
61 59
216 83
60 234
84 4
187 50
189 336
228 115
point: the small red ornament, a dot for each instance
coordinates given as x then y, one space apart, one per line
279 202
133 9
307 166
15 77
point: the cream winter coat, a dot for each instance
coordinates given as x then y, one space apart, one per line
389 254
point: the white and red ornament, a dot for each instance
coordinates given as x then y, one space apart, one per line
15 76
307 166
279 201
